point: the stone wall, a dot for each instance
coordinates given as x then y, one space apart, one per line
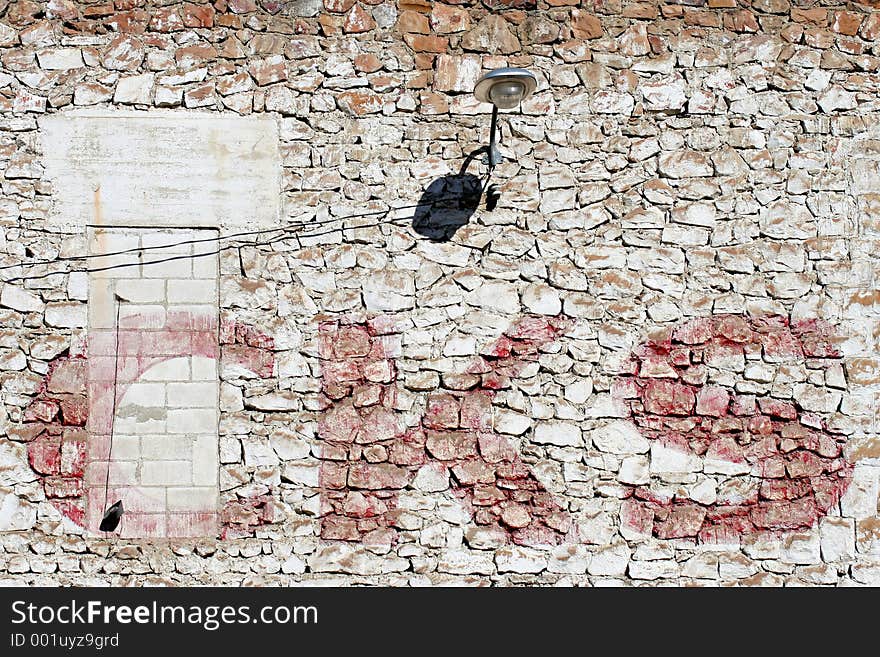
654 361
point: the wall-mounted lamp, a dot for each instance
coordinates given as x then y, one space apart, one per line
505 88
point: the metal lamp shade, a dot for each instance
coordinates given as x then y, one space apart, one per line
505 87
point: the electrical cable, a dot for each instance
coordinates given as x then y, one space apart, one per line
229 246
108 512
213 239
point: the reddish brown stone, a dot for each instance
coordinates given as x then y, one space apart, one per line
667 398
585 25
413 22
701 17
451 446
358 20
421 43
74 410
338 6
360 103
871 27
41 410
431 103
446 19
640 10
195 15
166 19
99 10
258 361
191 56
442 412
367 63
847 22
785 514
816 16
268 70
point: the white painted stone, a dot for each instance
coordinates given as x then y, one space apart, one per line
16 514
193 394
670 460
432 478
460 346
713 465
579 391
78 286
191 499
134 89
66 315
867 572
165 473
466 562
696 214
518 559
835 98
610 560
282 401
288 445
801 548
837 539
861 497
634 470
495 295
510 422
609 102
705 491
60 59
664 94
569 559
555 432
20 299
293 565
541 299
619 437
300 474
653 570
354 560
192 420
258 453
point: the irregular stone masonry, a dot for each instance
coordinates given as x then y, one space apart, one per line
784 458
690 179
369 453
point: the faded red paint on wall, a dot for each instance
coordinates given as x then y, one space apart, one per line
244 346
116 360
54 429
68 424
369 454
792 461
794 469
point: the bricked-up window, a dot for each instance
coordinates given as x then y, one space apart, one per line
150 193
161 361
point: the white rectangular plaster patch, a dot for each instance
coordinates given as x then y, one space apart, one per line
160 168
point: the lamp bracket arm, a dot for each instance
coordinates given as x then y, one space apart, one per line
493 157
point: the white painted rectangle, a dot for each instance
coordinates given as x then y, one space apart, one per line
161 168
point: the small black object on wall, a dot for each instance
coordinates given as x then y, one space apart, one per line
111 518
